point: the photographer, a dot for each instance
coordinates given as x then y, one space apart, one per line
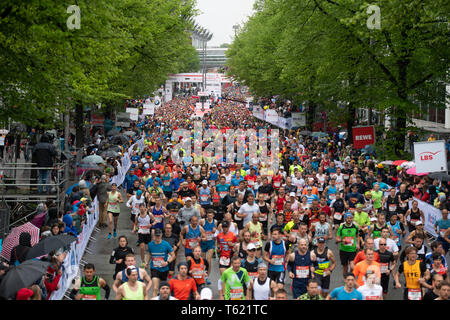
54 272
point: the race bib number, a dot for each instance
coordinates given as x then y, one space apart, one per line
349 241
277 184
278 260
414 294
372 298
204 197
89 297
338 215
157 261
209 235
346 177
332 196
301 272
384 267
253 275
263 217
158 219
236 294
222 194
197 273
392 207
224 261
192 243
251 183
403 205
166 183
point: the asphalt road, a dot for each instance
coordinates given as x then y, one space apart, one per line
102 249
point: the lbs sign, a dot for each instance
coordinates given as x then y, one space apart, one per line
430 156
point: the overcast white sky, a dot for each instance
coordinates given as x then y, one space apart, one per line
219 16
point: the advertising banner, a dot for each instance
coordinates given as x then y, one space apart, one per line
431 213
271 116
298 119
363 136
430 156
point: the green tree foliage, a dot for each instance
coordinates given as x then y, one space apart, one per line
324 53
122 49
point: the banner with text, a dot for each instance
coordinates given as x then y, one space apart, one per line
430 156
363 136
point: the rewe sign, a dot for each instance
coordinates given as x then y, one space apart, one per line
430 156
363 136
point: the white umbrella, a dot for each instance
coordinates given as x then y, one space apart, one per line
93 158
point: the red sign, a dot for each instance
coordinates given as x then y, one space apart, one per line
427 155
363 136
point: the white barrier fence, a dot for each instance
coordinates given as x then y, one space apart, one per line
71 264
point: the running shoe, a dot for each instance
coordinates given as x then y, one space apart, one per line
109 236
115 234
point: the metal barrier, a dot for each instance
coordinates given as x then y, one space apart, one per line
19 186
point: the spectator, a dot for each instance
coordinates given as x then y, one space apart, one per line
43 155
103 186
19 252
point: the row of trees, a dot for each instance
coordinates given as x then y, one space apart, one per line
54 60
332 55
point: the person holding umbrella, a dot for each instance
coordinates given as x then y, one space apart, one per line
19 252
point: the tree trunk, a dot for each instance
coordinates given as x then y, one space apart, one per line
351 116
79 129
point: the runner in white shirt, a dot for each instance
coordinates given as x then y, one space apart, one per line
247 209
370 290
321 178
339 179
390 244
299 182
133 203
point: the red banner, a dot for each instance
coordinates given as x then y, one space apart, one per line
363 136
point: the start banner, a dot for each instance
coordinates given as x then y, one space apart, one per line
363 136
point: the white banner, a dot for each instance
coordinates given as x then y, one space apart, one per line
149 109
430 156
298 119
271 116
431 213
258 112
285 123
132 111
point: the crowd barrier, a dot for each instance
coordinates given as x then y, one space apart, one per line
71 264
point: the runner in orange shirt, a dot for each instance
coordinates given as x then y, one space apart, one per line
368 264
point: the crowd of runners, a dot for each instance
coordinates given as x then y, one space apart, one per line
265 229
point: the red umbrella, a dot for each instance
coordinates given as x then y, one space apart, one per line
12 239
412 171
399 162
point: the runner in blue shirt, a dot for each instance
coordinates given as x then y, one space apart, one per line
347 291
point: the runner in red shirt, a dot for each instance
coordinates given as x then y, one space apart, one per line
226 241
182 286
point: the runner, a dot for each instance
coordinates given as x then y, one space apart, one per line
265 216
348 237
197 268
368 264
88 287
415 273
251 262
132 289
441 226
175 241
398 230
444 291
346 292
133 202
233 280
261 286
313 291
415 214
371 290
255 229
337 210
143 223
226 241
321 229
191 235
323 266
387 264
118 255
158 213
301 267
247 210
210 226
113 208
164 292
122 277
390 244
275 253
160 252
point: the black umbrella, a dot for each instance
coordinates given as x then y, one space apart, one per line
441 176
109 154
50 244
22 276
119 140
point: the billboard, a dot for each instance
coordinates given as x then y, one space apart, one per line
430 156
363 136
298 119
